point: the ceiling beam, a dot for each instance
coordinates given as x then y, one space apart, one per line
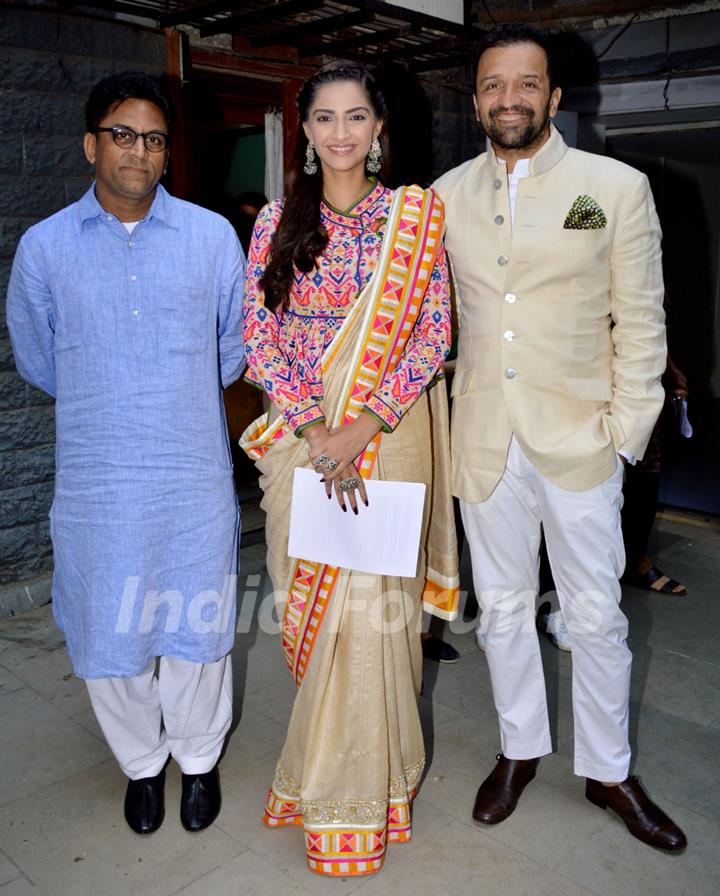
238 64
455 60
420 49
372 38
195 11
678 64
124 6
549 14
421 19
270 12
298 33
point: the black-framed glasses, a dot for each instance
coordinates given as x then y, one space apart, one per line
126 138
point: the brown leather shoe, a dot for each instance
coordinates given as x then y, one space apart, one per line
500 791
643 818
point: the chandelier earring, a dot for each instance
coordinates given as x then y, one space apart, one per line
374 157
310 166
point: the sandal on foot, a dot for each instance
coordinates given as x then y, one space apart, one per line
648 579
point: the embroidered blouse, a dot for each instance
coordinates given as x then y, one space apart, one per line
284 349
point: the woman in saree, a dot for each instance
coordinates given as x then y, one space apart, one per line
347 324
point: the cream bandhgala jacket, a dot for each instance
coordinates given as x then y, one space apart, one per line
562 329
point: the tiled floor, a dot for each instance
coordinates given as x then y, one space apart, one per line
62 832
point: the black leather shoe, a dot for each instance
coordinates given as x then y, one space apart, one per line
500 791
200 801
642 817
145 803
440 651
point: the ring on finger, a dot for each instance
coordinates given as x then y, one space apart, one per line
349 484
320 461
330 465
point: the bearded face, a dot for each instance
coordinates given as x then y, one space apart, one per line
513 99
516 127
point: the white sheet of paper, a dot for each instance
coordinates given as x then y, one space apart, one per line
384 538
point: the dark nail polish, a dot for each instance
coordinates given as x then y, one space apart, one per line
344 509
366 503
330 495
355 510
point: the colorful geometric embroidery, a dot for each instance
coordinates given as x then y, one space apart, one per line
307 601
284 353
410 250
345 853
342 850
411 245
399 824
441 595
280 812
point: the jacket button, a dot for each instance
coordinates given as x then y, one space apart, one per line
497 184
503 260
508 335
510 373
499 219
510 298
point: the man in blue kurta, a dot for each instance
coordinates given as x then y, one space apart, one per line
126 306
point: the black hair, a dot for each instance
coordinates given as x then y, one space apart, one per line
507 35
109 93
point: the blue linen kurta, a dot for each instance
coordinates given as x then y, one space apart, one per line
133 335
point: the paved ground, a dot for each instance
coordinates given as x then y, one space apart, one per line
62 832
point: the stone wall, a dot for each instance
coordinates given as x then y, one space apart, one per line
455 133
48 63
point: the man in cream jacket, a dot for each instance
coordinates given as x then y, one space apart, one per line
556 255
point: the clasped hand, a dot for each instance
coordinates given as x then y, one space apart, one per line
342 444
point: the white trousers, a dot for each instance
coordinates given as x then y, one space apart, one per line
585 548
184 710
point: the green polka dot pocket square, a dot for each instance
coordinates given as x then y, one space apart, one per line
585 214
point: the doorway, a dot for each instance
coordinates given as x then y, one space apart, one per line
683 165
225 148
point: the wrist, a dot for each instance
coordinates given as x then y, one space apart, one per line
370 423
315 433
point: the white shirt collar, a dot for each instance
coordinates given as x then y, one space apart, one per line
521 169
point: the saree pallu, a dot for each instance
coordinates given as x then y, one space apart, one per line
354 752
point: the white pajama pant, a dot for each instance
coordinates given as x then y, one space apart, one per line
183 710
585 548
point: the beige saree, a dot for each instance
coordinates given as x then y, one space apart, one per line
354 752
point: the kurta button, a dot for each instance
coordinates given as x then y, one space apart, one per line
503 260
499 219
131 243
135 312
510 298
133 277
497 184
508 335
510 372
